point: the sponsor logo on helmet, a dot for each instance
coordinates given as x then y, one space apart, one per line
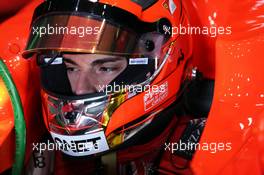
81 145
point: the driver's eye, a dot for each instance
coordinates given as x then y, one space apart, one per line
71 69
107 69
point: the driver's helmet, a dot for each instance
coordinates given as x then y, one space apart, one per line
107 68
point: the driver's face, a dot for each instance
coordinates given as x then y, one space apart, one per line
88 72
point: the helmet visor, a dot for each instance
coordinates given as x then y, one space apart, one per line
79 33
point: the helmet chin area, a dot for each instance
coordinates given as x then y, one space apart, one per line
75 117
77 125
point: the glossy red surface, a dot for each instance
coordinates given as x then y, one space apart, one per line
13 34
237 109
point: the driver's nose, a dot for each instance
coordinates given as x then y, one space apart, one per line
85 84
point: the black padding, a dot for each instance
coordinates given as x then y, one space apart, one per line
54 79
145 3
198 97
